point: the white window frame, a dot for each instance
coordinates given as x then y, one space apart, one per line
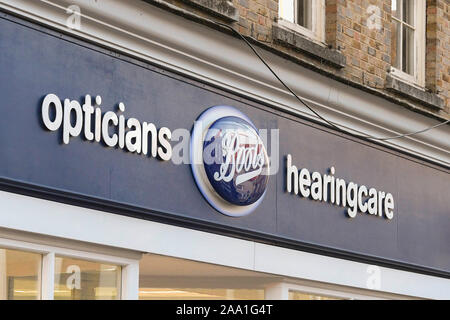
128 286
418 78
280 291
317 21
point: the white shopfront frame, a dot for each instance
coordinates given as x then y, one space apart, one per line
13 240
113 238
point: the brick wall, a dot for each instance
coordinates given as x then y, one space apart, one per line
361 31
438 48
363 36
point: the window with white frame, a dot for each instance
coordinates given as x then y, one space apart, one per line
408 40
304 16
34 271
20 275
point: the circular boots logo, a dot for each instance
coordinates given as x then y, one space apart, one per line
229 161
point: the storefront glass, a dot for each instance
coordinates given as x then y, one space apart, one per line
20 275
164 278
298 295
85 280
200 294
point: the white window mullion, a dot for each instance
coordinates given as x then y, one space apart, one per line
48 276
420 35
402 62
417 43
130 282
295 13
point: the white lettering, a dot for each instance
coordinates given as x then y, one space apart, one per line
241 153
341 194
68 129
49 100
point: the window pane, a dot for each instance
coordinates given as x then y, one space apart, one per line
396 44
396 8
304 13
20 275
408 11
86 280
297 295
408 50
286 10
200 294
167 278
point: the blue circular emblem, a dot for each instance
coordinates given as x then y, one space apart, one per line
229 161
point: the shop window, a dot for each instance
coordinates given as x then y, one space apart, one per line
20 275
304 16
408 40
85 280
200 294
167 278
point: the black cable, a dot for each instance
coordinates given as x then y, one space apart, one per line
315 112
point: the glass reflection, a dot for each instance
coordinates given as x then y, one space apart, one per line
297 295
85 280
167 278
20 275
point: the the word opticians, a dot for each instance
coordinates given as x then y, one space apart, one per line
135 139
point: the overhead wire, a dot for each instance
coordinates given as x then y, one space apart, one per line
331 124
